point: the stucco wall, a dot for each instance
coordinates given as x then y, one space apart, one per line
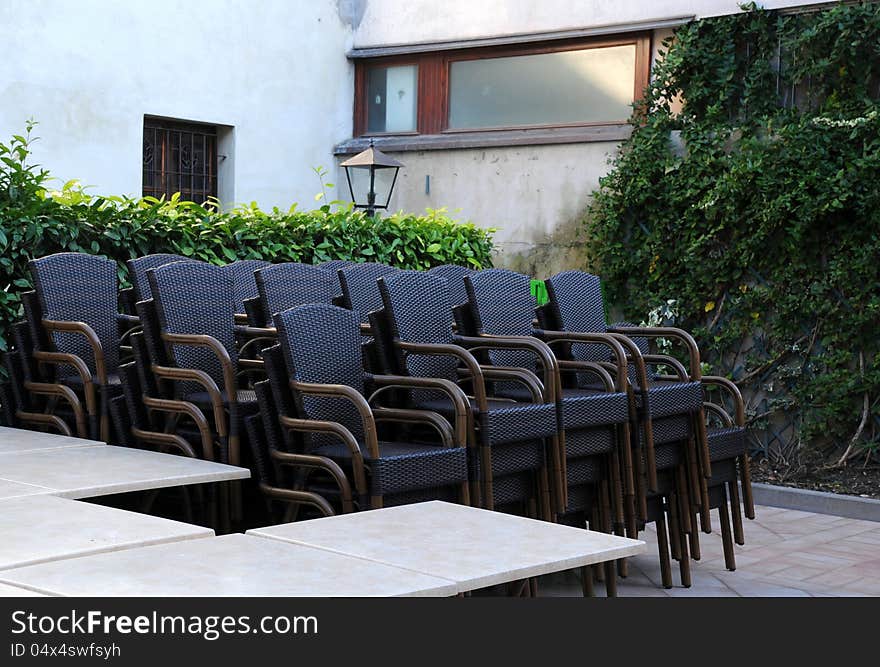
392 22
89 70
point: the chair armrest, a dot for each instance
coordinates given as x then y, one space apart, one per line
732 391
460 402
590 367
91 337
179 407
450 350
427 417
523 376
355 398
668 332
526 343
65 359
333 428
615 346
657 359
205 381
211 343
321 463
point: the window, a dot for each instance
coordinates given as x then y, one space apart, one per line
569 83
180 157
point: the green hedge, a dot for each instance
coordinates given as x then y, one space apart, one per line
35 221
761 219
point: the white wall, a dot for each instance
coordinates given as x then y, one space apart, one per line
394 22
88 71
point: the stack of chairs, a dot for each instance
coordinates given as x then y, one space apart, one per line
348 386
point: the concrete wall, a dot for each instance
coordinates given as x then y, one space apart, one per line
391 22
88 71
536 196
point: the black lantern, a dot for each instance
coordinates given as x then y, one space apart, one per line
371 177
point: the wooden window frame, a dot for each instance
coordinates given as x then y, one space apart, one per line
163 128
432 104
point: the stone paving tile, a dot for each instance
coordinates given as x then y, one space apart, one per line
788 553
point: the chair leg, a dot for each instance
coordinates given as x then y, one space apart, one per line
745 475
726 537
663 552
684 564
587 582
736 512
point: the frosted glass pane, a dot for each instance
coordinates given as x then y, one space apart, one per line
591 85
391 99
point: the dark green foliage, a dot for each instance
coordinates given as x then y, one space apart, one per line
763 219
35 222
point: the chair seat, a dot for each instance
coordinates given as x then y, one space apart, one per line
588 407
243 397
404 466
668 429
727 443
507 421
670 398
589 442
75 381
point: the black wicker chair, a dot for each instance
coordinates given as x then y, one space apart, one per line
138 268
322 347
243 283
195 306
454 276
77 329
31 404
284 286
511 441
668 411
360 292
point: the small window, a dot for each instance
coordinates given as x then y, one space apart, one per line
529 87
391 99
180 157
562 88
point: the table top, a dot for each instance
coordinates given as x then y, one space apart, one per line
7 591
44 528
473 547
99 470
16 490
231 565
17 441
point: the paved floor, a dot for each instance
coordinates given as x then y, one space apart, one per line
787 554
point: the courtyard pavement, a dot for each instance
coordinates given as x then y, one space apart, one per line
788 553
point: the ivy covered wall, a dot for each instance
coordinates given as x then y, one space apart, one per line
749 193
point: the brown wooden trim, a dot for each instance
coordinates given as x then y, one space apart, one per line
432 111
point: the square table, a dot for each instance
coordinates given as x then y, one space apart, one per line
17 490
17 441
100 470
7 591
44 528
471 546
231 565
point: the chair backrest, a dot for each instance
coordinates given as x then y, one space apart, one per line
418 310
336 264
322 344
285 286
455 276
244 285
196 298
502 304
360 292
75 287
138 268
575 304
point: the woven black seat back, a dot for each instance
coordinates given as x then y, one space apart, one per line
322 345
335 264
137 271
455 276
75 287
360 292
285 286
575 301
418 310
502 304
196 298
244 285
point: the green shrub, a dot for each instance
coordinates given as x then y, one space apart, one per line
35 221
763 220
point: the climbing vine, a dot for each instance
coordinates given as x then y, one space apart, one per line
749 192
